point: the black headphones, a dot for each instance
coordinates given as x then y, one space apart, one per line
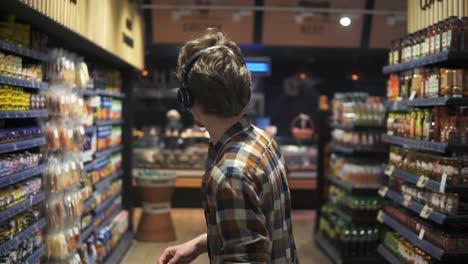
184 96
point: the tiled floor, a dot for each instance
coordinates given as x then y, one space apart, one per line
190 223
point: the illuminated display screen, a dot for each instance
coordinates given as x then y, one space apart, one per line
258 67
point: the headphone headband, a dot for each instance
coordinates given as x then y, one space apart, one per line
184 96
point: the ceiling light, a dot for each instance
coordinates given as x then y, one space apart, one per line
345 21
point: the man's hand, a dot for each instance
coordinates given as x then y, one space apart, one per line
184 253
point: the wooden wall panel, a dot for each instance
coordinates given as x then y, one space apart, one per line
281 28
382 33
101 21
168 29
439 10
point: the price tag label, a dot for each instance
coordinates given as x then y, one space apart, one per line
389 170
406 200
422 181
426 212
413 95
443 181
383 191
422 231
380 216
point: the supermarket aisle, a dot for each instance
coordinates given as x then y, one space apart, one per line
191 222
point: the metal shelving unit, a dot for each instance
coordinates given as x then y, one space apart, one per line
6 180
122 247
417 208
108 151
423 145
15 114
28 232
22 206
446 58
22 83
350 149
430 184
104 184
22 52
22 145
423 244
352 188
36 256
337 258
414 208
108 122
388 256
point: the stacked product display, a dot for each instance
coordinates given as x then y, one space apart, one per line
348 230
102 154
22 219
427 186
64 168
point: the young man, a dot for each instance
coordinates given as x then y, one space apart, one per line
245 191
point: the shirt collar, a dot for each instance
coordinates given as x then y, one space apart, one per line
233 131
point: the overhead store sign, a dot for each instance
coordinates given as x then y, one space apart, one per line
180 25
312 29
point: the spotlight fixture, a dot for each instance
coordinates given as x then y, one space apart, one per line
345 21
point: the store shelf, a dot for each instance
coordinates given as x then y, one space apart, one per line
302 184
86 233
416 207
86 92
184 173
100 209
5 114
110 94
109 122
87 204
23 52
22 83
355 216
388 255
89 166
104 184
445 57
21 145
108 151
336 257
349 149
422 102
122 248
28 232
305 175
6 180
22 206
431 184
67 37
108 220
35 256
358 127
424 145
423 244
351 188
90 129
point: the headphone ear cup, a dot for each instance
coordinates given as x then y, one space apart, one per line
184 98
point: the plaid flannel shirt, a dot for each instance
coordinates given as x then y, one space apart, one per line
246 199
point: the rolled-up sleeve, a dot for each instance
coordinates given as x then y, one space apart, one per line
240 221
